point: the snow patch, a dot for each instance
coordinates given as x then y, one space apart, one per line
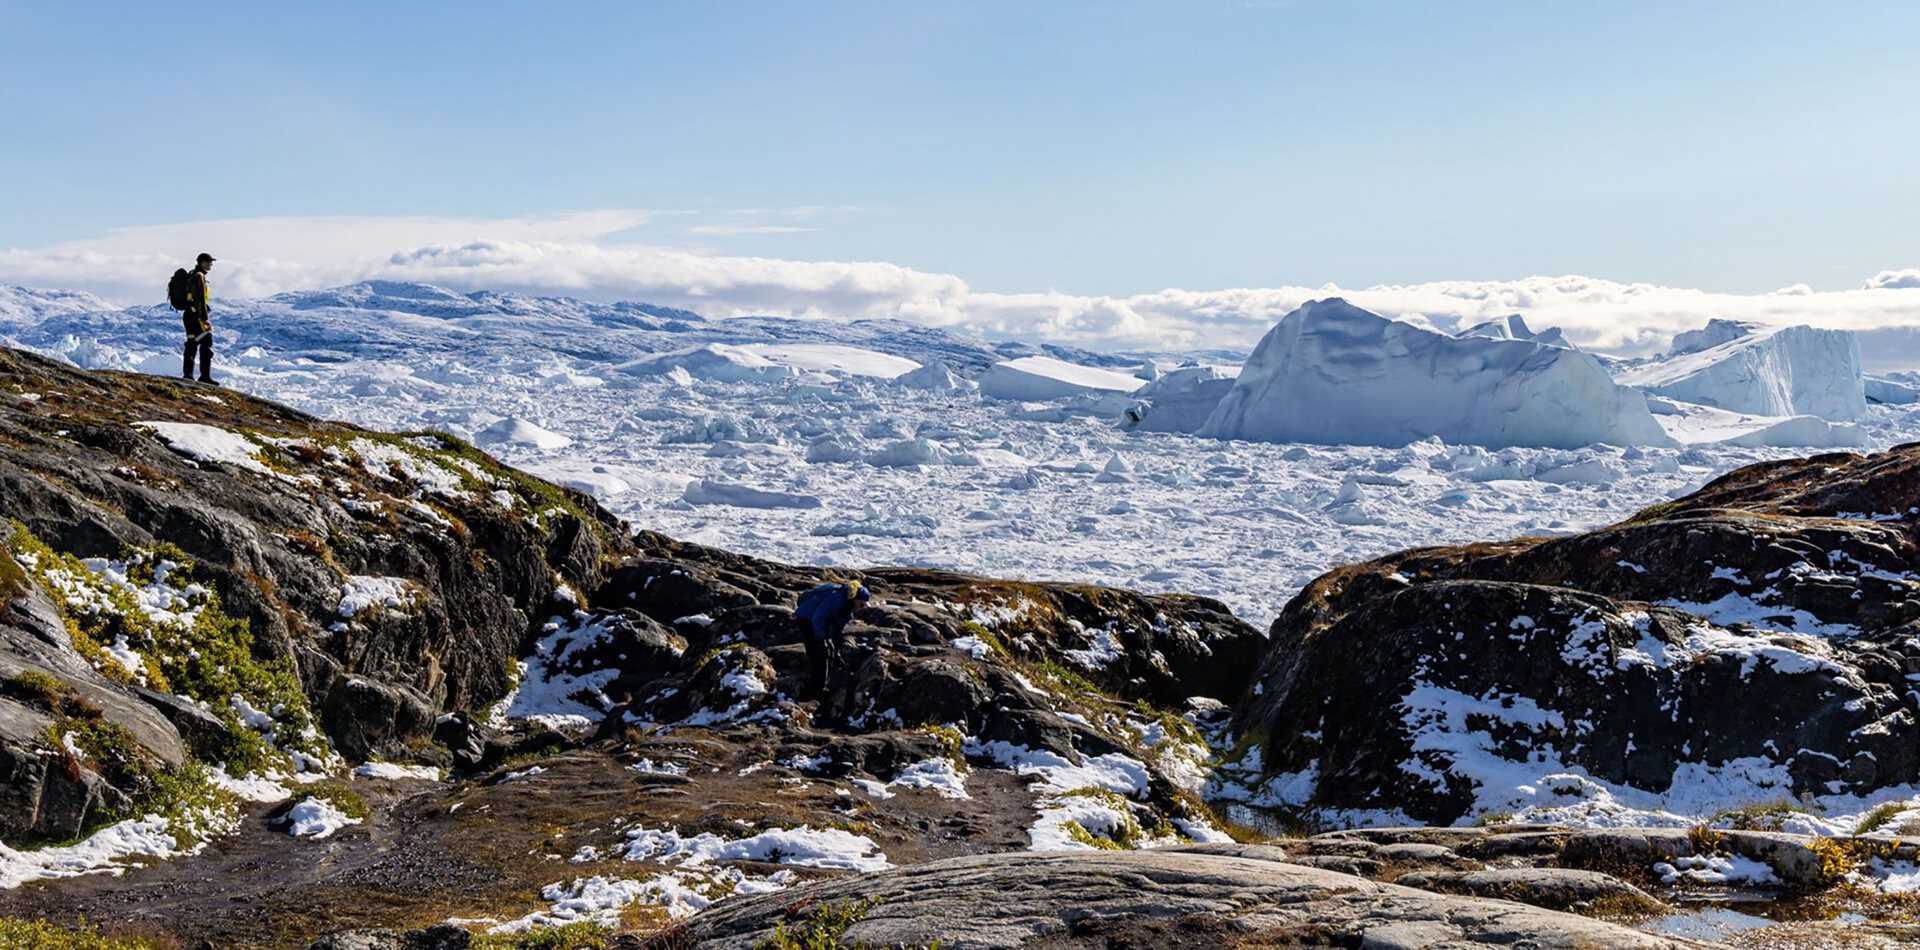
804 846
209 444
362 593
316 818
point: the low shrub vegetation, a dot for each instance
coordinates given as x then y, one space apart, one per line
823 928
580 936
19 934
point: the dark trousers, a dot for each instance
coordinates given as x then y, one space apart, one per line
200 336
823 659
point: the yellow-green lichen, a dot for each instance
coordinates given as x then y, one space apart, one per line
199 651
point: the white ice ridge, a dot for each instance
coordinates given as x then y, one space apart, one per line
1035 378
1332 373
834 358
1514 327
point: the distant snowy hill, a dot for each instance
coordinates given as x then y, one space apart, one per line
25 306
395 320
1331 372
1780 372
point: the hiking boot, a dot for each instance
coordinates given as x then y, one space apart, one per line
208 380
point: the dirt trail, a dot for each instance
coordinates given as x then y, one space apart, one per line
261 888
431 851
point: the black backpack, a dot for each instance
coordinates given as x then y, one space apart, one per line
180 290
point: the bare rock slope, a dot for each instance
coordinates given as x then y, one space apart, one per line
1238 896
1759 631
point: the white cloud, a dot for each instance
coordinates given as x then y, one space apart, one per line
713 285
571 254
1908 279
262 256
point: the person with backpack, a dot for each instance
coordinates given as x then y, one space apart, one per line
822 614
187 293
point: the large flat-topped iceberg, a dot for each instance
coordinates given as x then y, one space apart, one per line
834 358
1040 378
1791 371
1332 373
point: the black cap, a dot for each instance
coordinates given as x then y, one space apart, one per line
204 258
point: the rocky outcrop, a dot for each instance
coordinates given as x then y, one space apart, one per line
45 791
1145 899
1445 682
1553 888
1161 648
231 567
940 667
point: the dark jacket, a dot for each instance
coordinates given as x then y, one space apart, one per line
828 608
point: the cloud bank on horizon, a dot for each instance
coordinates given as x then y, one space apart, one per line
580 255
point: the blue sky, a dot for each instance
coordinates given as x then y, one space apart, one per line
1086 147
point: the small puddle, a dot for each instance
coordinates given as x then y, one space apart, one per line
1707 923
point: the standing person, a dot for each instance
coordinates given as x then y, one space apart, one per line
188 294
823 613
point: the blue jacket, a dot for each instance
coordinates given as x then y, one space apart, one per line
827 608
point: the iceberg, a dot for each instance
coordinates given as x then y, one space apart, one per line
1180 400
1332 373
936 377
713 361
516 431
1515 328
1790 371
1713 334
1891 392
